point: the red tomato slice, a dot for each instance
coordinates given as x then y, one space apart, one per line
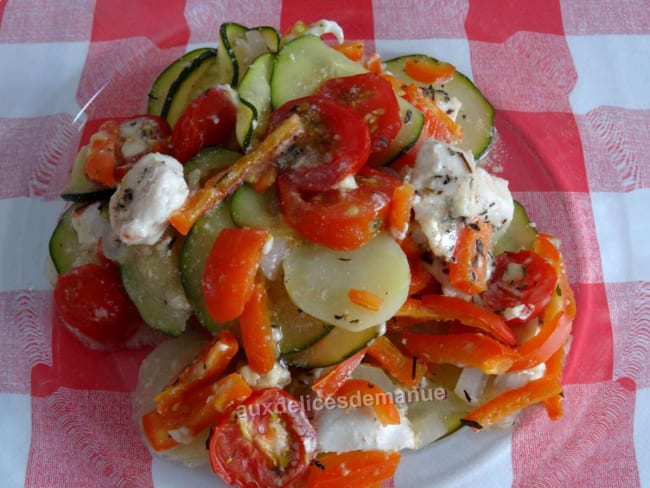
266 441
373 98
335 143
342 220
520 278
93 302
118 144
209 120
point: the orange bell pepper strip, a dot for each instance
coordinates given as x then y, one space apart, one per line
360 469
446 308
256 331
437 123
373 63
353 50
399 214
462 350
547 389
207 366
100 162
328 383
365 299
199 411
228 180
371 395
229 274
553 335
421 279
469 266
429 71
563 299
407 370
511 402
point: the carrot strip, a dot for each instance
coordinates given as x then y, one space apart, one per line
327 384
225 182
400 210
373 63
204 369
353 50
365 299
469 268
361 469
428 71
370 395
463 350
437 123
421 279
256 331
406 370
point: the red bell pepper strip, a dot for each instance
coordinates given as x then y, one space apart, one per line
407 370
327 384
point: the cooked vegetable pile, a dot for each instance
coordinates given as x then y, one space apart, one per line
314 228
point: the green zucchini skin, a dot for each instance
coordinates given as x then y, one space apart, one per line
519 235
476 115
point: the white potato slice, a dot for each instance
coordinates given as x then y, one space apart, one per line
318 280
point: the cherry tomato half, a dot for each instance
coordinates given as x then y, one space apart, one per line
335 143
266 441
118 144
93 302
339 219
373 98
520 278
208 120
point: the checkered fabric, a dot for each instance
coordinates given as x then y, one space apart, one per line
570 80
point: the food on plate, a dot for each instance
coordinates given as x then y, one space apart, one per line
339 277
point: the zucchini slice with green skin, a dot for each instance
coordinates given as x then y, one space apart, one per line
519 235
239 46
206 163
249 208
476 114
336 346
163 87
191 81
298 329
194 255
80 188
303 64
255 101
65 249
151 277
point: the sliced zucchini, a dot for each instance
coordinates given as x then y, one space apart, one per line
151 278
206 163
192 80
298 329
303 64
520 234
336 346
249 208
65 249
476 115
194 255
163 87
255 97
80 188
319 280
239 46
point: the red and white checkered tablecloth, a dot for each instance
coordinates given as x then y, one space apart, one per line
571 83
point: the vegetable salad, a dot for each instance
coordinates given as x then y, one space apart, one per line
338 276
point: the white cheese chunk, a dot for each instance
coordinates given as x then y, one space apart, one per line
450 191
148 194
88 223
357 429
278 377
